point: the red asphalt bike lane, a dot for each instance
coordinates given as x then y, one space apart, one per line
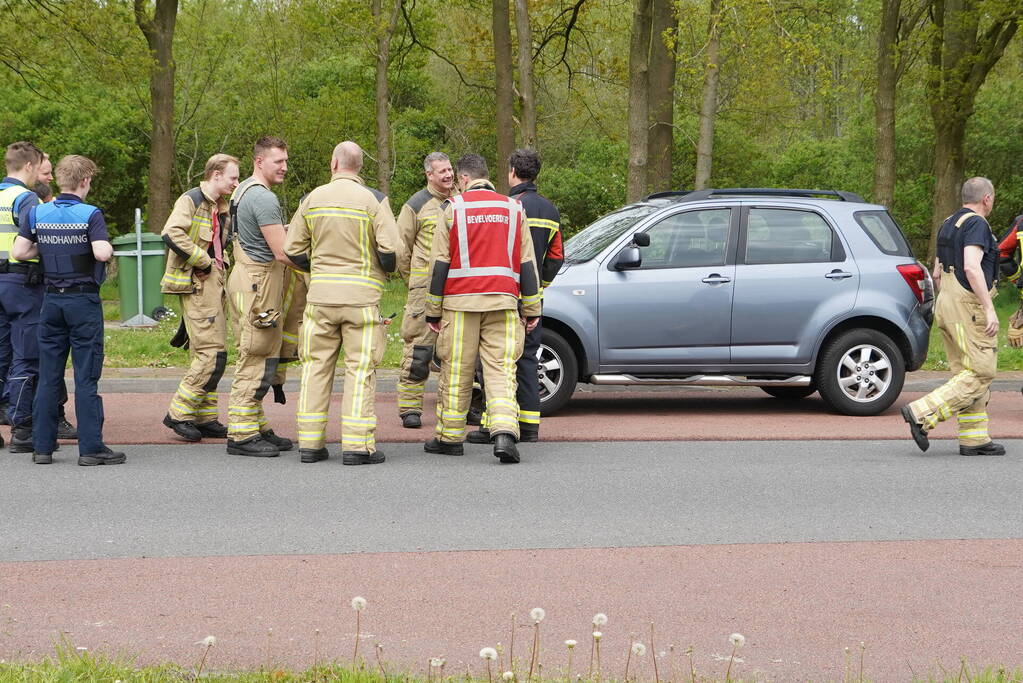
685 414
915 606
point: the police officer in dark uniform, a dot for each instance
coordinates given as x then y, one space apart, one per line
545 228
70 239
20 291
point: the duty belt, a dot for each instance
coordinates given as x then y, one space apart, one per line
21 268
86 288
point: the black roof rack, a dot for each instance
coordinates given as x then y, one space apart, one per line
695 195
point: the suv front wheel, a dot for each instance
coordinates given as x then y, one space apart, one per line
558 370
860 372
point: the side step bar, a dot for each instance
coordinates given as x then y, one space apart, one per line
704 381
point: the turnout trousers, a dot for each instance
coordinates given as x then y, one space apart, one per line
296 286
256 292
972 356
205 315
70 322
417 353
326 331
496 338
20 304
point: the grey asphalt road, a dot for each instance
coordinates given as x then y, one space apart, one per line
197 501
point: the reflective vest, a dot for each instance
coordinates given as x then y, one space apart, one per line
62 235
486 239
10 194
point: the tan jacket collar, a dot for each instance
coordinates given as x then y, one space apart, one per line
207 192
346 175
478 183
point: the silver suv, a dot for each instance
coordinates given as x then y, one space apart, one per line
794 291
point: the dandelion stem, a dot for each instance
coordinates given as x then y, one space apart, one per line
511 646
598 661
692 666
568 676
728 671
380 662
653 654
628 660
490 672
536 645
358 629
863 649
589 673
202 662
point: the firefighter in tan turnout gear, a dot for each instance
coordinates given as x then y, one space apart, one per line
966 269
483 270
196 237
345 235
256 292
416 224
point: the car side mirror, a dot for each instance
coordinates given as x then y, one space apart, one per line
641 239
628 258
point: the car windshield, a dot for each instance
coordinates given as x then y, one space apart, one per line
598 235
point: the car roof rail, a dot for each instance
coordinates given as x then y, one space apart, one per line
696 195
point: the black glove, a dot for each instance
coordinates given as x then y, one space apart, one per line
180 338
279 396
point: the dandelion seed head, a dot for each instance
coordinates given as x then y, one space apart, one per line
436 662
597 635
638 649
358 603
570 644
599 619
209 641
537 614
737 639
508 675
488 653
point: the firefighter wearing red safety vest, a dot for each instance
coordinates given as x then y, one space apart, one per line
483 283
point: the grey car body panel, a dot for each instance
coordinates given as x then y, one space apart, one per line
668 322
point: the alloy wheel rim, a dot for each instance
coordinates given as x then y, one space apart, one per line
864 373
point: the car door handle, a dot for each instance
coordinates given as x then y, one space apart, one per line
715 279
838 275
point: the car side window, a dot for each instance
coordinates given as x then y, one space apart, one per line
790 236
688 239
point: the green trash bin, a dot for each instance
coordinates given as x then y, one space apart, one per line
154 260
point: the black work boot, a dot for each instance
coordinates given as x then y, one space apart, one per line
66 430
989 448
42 458
435 445
282 443
21 440
529 433
255 446
411 421
212 430
104 457
505 450
481 435
361 458
5 419
474 417
916 430
312 454
183 428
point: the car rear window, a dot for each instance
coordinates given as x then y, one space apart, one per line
883 232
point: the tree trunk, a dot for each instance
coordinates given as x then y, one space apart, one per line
159 33
639 100
884 104
383 96
526 97
961 58
709 103
505 97
662 96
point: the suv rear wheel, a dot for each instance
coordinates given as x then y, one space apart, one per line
559 372
860 372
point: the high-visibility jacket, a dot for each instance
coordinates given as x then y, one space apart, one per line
483 258
188 235
1007 250
544 222
416 224
344 234
12 204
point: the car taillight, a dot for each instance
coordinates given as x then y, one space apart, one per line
917 278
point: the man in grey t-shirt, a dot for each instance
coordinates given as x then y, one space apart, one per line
256 290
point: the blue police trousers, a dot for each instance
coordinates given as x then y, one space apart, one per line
21 303
70 322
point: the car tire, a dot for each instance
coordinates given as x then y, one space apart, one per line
559 372
881 368
790 393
